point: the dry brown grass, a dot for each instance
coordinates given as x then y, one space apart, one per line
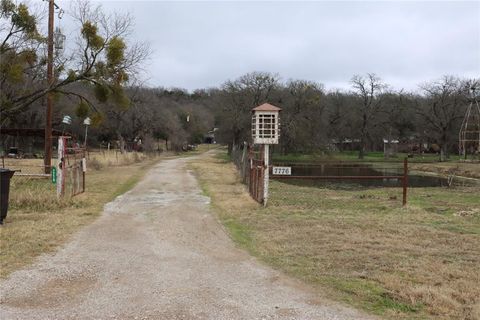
359 246
38 222
99 159
464 169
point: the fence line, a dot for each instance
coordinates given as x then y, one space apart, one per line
29 180
251 167
250 164
403 176
74 171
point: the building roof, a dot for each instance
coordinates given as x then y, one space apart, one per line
390 140
266 107
30 132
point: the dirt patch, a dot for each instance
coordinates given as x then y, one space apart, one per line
468 213
462 169
54 293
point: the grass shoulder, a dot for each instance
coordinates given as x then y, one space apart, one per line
360 246
38 222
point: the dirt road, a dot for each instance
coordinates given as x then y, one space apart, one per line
158 252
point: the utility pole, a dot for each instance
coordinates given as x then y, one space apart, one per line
47 161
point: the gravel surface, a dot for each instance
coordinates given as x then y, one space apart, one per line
158 252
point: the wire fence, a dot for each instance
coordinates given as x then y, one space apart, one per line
30 186
31 178
74 174
386 174
240 159
27 168
251 166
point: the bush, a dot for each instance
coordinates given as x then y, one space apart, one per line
95 164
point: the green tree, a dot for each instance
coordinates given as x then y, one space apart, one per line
104 59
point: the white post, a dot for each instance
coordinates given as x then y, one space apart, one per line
266 174
61 167
86 133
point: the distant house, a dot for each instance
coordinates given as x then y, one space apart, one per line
346 144
411 145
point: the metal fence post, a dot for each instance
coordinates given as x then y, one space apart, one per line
405 181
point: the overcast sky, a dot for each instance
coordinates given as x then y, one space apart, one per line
203 44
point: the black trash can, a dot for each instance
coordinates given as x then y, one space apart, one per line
5 176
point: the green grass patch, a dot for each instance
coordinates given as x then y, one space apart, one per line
128 185
352 156
223 156
240 233
373 296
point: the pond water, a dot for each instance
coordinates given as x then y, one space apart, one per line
378 170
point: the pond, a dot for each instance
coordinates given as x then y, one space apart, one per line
377 170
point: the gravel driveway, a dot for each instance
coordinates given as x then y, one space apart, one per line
158 252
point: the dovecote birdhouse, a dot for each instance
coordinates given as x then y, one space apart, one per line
266 124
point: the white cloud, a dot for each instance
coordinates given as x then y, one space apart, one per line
199 44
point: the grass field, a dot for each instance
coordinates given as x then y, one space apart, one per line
425 163
360 246
38 222
353 156
464 169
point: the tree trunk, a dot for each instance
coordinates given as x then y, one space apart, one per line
235 142
121 142
442 153
444 146
31 141
444 156
361 152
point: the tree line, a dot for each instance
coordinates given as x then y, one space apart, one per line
98 79
315 119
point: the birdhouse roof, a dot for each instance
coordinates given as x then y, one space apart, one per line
266 107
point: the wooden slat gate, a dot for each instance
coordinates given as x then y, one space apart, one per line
257 173
75 171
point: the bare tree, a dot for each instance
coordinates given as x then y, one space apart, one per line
303 104
238 98
339 120
368 90
441 107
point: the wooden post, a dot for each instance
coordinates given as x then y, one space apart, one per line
47 161
61 167
266 155
84 169
405 181
254 184
250 159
